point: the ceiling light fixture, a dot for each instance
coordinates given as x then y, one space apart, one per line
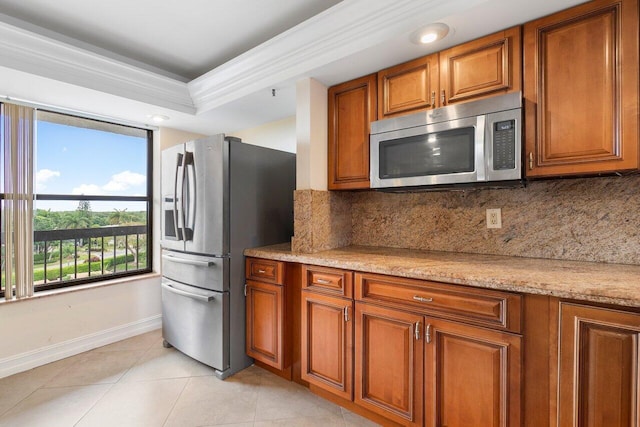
430 33
158 118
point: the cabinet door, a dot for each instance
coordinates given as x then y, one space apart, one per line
327 343
389 363
599 366
352 107
408 87
472 376
265 323
481 68
581 90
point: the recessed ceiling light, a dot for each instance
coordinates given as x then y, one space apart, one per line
430 33
158 118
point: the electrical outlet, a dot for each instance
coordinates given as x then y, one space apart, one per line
494 218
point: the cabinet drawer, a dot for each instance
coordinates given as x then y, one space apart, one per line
484 307
327 280
265 270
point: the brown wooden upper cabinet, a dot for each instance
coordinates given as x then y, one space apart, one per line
581 90
352 108
481 68
408 87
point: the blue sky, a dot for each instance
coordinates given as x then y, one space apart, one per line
73 160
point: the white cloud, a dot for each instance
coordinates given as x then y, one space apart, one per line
91 189
123 180
44 175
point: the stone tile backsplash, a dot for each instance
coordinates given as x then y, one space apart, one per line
586 219
321 220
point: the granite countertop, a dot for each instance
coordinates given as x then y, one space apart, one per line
606 283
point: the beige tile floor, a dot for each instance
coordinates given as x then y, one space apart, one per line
137 382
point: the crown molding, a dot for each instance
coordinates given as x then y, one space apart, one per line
340 31
38 54
346 28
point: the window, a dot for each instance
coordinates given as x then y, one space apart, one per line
93 198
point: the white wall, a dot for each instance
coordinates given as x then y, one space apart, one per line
48 328
167 137
280 134
311 135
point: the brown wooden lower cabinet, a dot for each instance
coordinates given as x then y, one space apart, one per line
472 376
599 367
575 364
265 332
389 362
327 343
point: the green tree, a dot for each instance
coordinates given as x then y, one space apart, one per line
44 220
84 206
119 216
76 220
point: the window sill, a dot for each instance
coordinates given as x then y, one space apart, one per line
78 288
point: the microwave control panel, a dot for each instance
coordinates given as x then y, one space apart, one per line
504 145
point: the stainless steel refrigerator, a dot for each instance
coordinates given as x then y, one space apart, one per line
219 196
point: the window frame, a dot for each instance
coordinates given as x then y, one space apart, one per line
148 199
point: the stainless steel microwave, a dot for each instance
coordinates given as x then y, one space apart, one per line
474 142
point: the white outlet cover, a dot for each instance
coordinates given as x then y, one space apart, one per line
494 218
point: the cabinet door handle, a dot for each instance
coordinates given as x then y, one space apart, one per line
427 334
417 331
422 299
530 160
443 98
245 289
346 313
323 282
433 98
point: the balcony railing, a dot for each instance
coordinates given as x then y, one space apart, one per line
64 257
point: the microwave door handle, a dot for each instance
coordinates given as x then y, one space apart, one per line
482 138
179 157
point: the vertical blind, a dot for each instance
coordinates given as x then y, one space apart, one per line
18 200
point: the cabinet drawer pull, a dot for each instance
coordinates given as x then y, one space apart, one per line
417 331
422 299
427 334
323 282
262 271
346 313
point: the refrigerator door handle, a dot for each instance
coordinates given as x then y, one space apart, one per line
203 298
190 212
186 196
175 197
182 197
188 261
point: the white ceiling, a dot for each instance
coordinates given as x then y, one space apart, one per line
186 38
211 65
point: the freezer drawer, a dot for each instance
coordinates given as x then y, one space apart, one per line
195 321
198 270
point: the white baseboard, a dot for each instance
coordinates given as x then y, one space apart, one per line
41 356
